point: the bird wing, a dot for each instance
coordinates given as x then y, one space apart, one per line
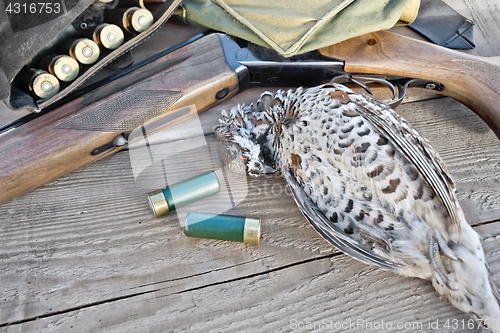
418 151
332 233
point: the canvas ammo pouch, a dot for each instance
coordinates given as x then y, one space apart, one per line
25 31
294 26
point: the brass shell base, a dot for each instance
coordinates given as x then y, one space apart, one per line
157 202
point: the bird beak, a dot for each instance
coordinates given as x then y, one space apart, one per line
268 170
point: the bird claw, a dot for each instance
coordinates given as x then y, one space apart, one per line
375 235
444 248
436 262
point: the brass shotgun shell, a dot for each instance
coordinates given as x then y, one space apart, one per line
137 20
40 83
158 203
183 193
63 67
251 231
109 36
84 50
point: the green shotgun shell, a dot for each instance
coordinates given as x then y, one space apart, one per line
183 193
224 227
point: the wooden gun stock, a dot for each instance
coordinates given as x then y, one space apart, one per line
472 80
82 131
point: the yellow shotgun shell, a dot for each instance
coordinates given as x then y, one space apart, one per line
84 50
137 19
109 36
64 67
41 84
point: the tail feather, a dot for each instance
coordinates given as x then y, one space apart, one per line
469 285
494 285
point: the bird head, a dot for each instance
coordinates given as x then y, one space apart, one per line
256 167
243 144
242 155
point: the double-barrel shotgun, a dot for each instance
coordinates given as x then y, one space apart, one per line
97 121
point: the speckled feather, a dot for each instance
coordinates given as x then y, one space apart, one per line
369 184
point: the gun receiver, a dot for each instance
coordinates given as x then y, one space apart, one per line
472 80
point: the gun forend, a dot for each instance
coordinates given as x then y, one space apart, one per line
91 126
472 80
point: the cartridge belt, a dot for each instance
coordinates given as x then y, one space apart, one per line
162 12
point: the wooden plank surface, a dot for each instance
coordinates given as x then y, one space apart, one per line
84 253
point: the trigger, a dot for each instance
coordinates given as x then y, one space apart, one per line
414 83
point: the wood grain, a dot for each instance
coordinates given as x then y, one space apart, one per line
324 291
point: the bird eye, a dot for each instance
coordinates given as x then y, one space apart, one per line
244 156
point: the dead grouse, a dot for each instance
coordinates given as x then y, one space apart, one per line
369 184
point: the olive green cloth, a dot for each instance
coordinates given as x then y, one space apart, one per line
296 26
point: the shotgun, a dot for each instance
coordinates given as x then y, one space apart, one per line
97 121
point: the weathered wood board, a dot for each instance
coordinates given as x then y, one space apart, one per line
85 253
